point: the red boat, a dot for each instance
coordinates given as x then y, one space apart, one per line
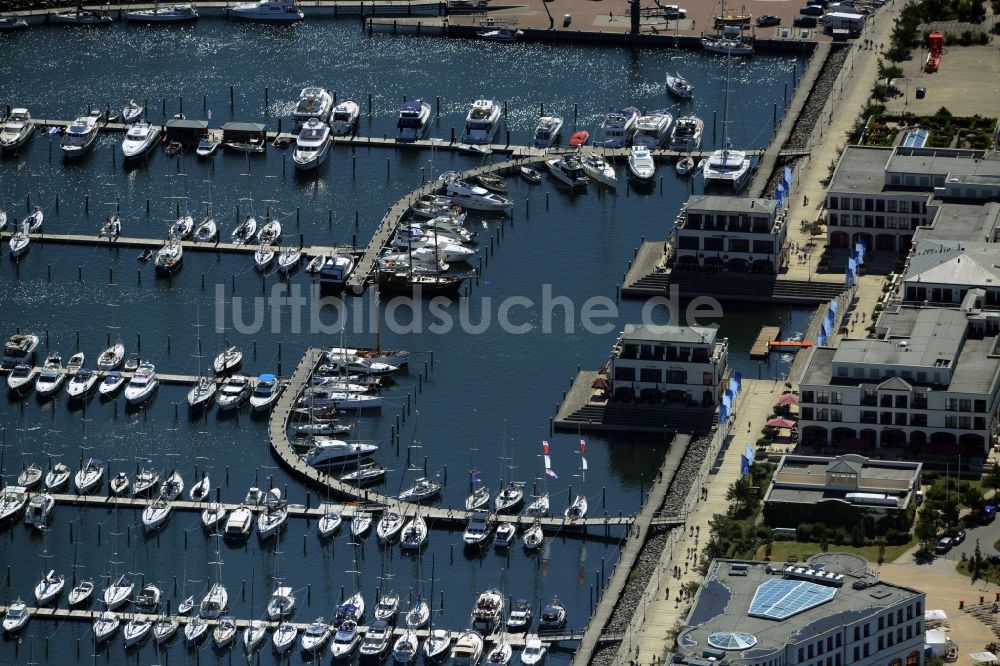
579 138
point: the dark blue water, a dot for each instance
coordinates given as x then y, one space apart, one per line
484 388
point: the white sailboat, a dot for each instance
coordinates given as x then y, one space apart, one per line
577 509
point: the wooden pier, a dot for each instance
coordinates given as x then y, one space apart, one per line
761 346
331 8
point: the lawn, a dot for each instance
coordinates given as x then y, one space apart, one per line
782 550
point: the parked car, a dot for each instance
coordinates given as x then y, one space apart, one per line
943 546
804 22
768 20
567 19
811 10
958 537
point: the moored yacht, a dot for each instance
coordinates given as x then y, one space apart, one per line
599 169
414 120
110 385
728 167
83 17
468 648
21 379
567 169
335 270
19 348
51 377
234 393
344 118
167 14
16 129
312 145
482 122
686 135
547 131
327 452
679 86
618 127
266 392
314 102
641 165
142 385
169 257
80 136
652 129
474 197
140 138
270 11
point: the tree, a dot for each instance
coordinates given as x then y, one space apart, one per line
992 478
972 497
949 513
740 494
926 529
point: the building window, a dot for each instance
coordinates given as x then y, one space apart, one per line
838 639
881 622
809 651
625 374
901 418
965 422
918 420
980 405
802 655
836 398
868 630
881 643
857 654
900 402
865 650
676 376
836 414
706 378
807 414
822 414
807 396
950 421
652 375
823 397
857 633
965 405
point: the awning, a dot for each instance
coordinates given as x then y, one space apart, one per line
601 383
788 399
779 422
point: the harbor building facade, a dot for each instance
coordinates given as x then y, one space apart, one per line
832 611
685 364
736 234
928 381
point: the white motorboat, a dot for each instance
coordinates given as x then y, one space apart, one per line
336 269
338 453
21 378
139 139
12 22
155 515
207 147
16 618
167 14
284 637
468 648
111 358
652 129
568 170
265 393
212 515
206 231
389 525
145 482
406 648
235 391
505 34
17 128
169 257
269 11
224 631
482 122
577 510
49 588
547 131
90 476
244 233
75 364
414 535
500 654
182 228
335 355
136 631
239 524
361 522
201 393
445 249
727 166
345 641
433 205
641 165
288 259
271 520
617 128
312 145
111 384
363 365
533 536
200 490
118 593
281 604
148 600
344 400
227 360
143 384
421 491
377 641
437 644
530 174
553 617
505 535
519 618
315 636
269 233
474 197
314 104
51 377
81 593
727 45
599 169
478 499
80 136
195 631
254 635
479 529
419 614
112 227
132 111
164 629
215 601
82 384
83 17
414 120
687 132
39 510
57 477
328 524
105 626
679 86
344 118
533 652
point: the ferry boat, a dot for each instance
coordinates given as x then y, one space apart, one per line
482 122
414 120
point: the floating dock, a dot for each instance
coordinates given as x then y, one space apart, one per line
761 346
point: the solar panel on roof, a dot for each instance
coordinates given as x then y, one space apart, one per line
781 599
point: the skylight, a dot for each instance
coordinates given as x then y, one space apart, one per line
780 599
